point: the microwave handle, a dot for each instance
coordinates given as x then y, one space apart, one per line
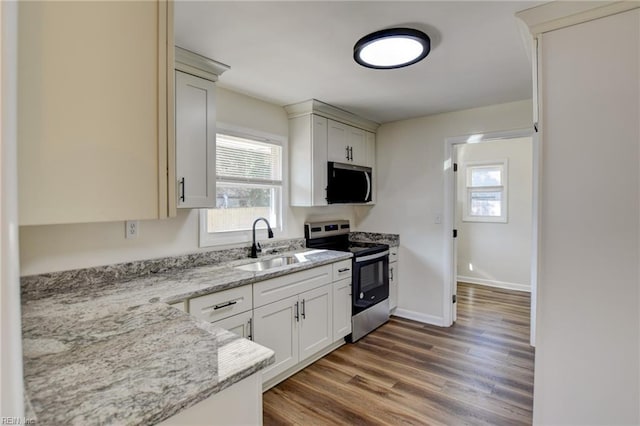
366 175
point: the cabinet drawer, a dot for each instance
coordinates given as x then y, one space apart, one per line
217 306
289 285
342 270
393 254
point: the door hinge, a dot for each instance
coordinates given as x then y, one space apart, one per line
455 167
454 298
455 233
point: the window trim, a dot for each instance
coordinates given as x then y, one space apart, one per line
466 200
241 238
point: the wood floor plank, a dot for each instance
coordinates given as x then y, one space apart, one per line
477 372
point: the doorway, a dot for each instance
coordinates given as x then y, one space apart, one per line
490 214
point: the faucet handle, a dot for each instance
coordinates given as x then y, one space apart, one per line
258 248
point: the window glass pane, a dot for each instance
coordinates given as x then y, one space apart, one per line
486 176
244 158
238 205
485 203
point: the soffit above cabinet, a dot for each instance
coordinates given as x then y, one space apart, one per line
314 106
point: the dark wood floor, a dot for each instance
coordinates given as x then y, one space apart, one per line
479 372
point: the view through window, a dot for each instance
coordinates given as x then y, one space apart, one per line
248 184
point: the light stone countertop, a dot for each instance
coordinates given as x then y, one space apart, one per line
117 354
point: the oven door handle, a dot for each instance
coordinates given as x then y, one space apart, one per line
372 256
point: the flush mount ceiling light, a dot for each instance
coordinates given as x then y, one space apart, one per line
392 48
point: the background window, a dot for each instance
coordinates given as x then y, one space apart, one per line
486 198
248 185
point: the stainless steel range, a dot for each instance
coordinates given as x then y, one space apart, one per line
370 279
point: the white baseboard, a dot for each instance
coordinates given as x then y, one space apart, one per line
493 283
419 316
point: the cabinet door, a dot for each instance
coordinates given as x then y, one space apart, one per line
370 142
276 327
337 142
316 331
341 309
393 285
240 324
92 111
195 141
356 140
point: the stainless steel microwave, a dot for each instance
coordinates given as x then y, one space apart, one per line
347 183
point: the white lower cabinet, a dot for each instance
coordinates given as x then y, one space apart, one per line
316 331
299 316
393 285
229 309
277 329
393 278
241 324
341 309
293 316
295 328
239 404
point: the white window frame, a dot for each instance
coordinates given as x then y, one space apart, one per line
469 189
241 238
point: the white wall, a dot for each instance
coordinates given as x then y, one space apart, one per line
588 345
62 247
490 253
409 162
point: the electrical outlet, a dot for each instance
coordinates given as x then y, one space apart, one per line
131 229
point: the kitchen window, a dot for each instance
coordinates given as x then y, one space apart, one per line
486 192
249 185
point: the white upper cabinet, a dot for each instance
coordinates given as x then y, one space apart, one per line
308 157
195 141
319 133
346 144
370 143
195 177
94 115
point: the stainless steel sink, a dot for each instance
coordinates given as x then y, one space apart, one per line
263 265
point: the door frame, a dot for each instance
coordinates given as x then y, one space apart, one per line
449 216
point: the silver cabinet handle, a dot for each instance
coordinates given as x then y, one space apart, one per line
304 316
250 328
297 314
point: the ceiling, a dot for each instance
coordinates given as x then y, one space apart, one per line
287 52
